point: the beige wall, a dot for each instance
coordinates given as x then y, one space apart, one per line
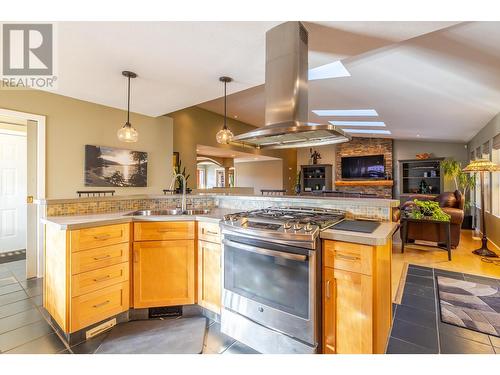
72 123
266 174
193 126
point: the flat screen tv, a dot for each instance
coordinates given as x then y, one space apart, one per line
363 167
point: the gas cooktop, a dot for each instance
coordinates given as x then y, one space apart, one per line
290 217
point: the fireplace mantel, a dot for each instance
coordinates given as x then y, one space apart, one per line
364 183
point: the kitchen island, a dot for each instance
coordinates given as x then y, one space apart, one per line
106 268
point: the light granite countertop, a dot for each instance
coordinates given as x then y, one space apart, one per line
88 221
379 237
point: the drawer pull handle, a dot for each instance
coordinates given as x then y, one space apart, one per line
102 237
328 289
102 278
101 304
346 257
162 230
103 257
211 232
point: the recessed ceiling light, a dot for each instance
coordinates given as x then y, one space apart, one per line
346 112
197 150
367 131
233 156
235 116
332 70
358 123
418 135
255 158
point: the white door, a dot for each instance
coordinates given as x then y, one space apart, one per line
12 191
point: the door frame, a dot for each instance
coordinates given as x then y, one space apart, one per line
34 257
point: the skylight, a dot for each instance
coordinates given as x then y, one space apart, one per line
332 70
367 131
346 112
358 123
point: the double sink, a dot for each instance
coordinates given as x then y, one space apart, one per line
168 212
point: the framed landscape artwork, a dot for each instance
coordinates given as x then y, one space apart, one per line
108 166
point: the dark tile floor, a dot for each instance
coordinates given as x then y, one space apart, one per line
25 330
417 327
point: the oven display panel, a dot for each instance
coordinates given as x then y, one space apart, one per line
259 225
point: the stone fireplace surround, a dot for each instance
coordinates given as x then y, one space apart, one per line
364 147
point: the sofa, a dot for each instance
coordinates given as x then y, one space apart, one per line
450 202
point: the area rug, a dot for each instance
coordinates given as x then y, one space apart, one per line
12 256
172 336
470 305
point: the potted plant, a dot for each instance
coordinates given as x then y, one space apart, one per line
176 171
464 182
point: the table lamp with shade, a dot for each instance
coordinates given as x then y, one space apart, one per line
482 166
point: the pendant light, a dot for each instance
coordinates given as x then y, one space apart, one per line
127 133
224 136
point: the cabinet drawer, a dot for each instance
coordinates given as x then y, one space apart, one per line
98 279
209 232
91 238
161 231
93 307
348 256
89 260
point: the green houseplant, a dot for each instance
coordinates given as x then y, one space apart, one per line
176 171
464 182
428 209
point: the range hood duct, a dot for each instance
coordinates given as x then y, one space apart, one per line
287 110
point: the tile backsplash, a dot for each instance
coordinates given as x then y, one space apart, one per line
115 205
354 208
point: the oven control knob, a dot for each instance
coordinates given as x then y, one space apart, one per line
287 225
308 227
297 226
261 309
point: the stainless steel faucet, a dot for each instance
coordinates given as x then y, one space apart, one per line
183 201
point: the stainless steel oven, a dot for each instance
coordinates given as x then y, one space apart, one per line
269 291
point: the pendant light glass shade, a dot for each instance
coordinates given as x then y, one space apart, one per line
224 136
127 133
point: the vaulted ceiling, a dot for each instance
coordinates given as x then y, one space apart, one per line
434 80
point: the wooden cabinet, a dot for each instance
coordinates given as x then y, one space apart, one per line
209 232
86 274
164 231
209 266
357 308
164 264
163 273
95 273
209 275
91 238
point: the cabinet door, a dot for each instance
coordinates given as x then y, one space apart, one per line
209 275
328 311
163 273
353 312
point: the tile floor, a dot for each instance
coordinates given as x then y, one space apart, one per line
24 329
417 327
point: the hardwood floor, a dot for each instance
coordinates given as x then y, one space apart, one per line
462 259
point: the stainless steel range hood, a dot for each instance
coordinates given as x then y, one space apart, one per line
286 118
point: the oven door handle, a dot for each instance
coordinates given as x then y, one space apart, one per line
259 250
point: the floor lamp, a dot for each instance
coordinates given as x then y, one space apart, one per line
482 166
